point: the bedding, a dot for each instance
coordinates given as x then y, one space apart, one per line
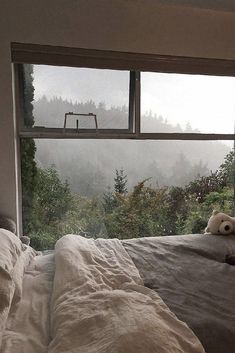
14 257
87 296
191 275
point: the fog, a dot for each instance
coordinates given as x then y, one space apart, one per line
169 103
206 102
89 165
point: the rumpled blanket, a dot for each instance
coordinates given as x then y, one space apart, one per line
88 297
14 258
191 275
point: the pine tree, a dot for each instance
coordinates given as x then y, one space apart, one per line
110 198
120 182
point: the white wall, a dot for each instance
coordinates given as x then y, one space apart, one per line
126 25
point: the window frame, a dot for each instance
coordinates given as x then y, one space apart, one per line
135 63
50 132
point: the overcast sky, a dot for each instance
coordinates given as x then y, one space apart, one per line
206 102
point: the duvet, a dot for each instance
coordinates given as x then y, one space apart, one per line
191 275
85 297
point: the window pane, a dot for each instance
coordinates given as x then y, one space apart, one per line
60 90
187 103
125 189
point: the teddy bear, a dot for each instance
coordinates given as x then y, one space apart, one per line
220 223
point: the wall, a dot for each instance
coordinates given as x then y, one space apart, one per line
126 25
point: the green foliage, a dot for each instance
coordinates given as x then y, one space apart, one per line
120 182
204 185
27 147
198 213
85 217
43 241
139 213
176 209
172 210
227 169
52 198
145 211
51 202
215 182
205 194
27 90
110 199
223 200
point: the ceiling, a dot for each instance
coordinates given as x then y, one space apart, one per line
218 5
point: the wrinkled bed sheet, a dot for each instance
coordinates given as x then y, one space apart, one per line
190 274
86 297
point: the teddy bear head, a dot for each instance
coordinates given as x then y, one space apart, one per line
220 223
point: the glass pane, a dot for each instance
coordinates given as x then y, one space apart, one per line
123 189
187 103
60 90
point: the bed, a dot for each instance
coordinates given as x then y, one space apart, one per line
149 295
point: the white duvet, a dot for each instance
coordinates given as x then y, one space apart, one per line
87 297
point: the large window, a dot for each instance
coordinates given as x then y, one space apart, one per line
110 148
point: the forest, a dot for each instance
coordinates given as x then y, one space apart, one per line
89 165
117 213
121 189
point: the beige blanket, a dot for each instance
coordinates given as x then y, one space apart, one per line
99 304
96 304
14 258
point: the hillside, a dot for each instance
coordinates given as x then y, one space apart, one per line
89 165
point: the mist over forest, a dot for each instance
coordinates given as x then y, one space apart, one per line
89 165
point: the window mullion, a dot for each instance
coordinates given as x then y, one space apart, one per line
137 103
131 101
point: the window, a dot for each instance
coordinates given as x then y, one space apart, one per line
118 144
189 103
85 92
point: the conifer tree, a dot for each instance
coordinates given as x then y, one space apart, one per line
120 182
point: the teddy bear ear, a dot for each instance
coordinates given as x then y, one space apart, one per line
215 212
